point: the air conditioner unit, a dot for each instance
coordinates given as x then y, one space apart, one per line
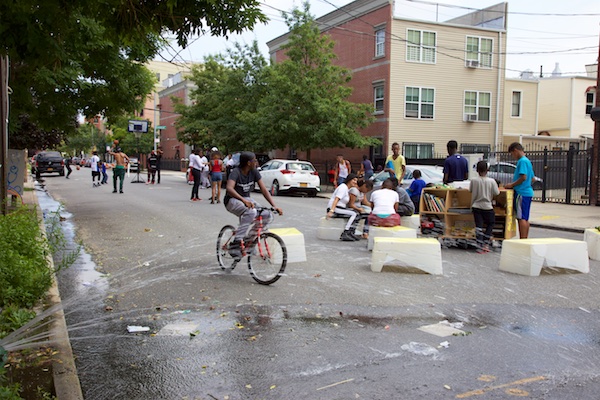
470 117
472 63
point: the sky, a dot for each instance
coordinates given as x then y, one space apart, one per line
540 33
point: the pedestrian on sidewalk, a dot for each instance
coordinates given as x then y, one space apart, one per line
216 177
342 170
159 154
483 190
522 181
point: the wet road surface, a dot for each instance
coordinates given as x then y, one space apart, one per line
328 329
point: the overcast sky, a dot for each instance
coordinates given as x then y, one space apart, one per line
540 32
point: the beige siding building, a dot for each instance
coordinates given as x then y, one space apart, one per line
521 104
429 82
564 108
451 87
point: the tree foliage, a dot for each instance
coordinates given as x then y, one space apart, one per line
228 86
87 56
241 102
306 106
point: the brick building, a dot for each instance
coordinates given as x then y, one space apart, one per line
429 82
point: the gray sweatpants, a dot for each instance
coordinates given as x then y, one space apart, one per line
246 216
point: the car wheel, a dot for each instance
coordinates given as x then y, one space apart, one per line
275 188
312 194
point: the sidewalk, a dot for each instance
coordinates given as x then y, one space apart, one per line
574 218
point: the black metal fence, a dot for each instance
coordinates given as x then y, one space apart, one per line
565 174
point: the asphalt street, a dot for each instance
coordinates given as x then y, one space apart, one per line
330 328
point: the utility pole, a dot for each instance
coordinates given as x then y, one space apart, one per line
595 114
3 133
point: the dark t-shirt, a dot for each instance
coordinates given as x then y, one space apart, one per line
244 184
456 166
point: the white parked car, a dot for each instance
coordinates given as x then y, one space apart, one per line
429 173
290 176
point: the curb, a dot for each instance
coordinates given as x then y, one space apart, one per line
64 372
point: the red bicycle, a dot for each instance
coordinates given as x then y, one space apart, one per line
267 254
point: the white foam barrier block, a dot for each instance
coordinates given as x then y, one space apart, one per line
592 237
529 256
294 243
420 253
411 221
393 231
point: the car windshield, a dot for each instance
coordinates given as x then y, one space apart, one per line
299 167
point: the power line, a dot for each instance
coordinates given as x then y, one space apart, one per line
509 12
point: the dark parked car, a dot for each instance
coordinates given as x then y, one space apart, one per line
48 162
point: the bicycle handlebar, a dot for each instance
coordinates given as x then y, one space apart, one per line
260 209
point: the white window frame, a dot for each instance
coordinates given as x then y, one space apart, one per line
485 59
420 48
518 104
590 105
380 42
477 107
376 99
420 103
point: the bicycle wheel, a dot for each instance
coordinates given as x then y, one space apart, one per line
223 240
268 259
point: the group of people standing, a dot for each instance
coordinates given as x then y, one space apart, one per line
207 173
353 199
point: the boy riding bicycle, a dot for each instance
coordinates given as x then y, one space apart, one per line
237 201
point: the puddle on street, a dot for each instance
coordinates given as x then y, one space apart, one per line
254 351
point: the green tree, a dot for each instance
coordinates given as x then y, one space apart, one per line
306 106
87 56
127 140
229 86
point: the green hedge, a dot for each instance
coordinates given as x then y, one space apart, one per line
25 275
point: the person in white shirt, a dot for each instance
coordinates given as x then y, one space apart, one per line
385 205
95 170
205 182
196 167
338 205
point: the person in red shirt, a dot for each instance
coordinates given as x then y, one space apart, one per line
216 177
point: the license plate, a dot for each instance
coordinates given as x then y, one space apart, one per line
49 169
303 184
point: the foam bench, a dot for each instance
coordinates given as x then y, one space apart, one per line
411 221
529 256
332 228
294 243
392 231
420 253
592 237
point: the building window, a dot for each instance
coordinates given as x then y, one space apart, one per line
378 149
479 50
420 46
158 76
515 109
468 148
380 43
419 103
378 98
479 104
589 102
417 150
